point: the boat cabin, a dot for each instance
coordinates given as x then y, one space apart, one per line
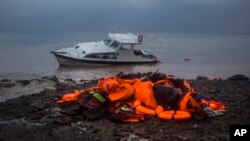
122 41
116 42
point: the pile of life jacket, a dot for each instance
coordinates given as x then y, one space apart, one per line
125 99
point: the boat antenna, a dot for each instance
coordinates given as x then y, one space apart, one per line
115 27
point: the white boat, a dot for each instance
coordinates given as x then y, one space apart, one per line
116 48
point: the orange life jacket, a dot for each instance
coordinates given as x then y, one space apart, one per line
144 101
144 110
175 115
214 105
76 96
144 93
189 104
116 89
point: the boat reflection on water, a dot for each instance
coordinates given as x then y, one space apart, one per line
97 72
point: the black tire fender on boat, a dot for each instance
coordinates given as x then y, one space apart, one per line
140 38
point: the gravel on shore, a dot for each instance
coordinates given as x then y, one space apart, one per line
36 116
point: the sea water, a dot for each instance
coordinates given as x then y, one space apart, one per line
26 55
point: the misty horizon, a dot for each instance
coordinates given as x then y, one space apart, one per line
179 16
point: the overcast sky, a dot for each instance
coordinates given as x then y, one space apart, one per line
181 16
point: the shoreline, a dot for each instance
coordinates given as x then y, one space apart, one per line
14 88
35 116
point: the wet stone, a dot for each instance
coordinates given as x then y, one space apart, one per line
95 131
24 82
57 126
5 80
214 91
201 77
195 126
54 78
70 80
45 77
8 84
238 77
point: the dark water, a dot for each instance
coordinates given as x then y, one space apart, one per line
26 55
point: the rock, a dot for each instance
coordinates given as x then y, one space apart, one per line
45 77
120 73
8 84
51 119
90 126
214 90
182 137
95 131
36 117
132 76
70 80
24 82
133 137
195 126
38 105
55 110
238 77
54 78
84 80
201 77
83 128
5 80
211 78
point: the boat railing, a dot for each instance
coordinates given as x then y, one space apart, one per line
130 41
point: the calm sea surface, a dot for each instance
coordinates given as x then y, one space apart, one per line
25 55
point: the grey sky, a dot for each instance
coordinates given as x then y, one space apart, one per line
195 16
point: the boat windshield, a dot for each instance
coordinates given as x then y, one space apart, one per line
107 41
115 44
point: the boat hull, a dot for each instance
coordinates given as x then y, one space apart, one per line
69 61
